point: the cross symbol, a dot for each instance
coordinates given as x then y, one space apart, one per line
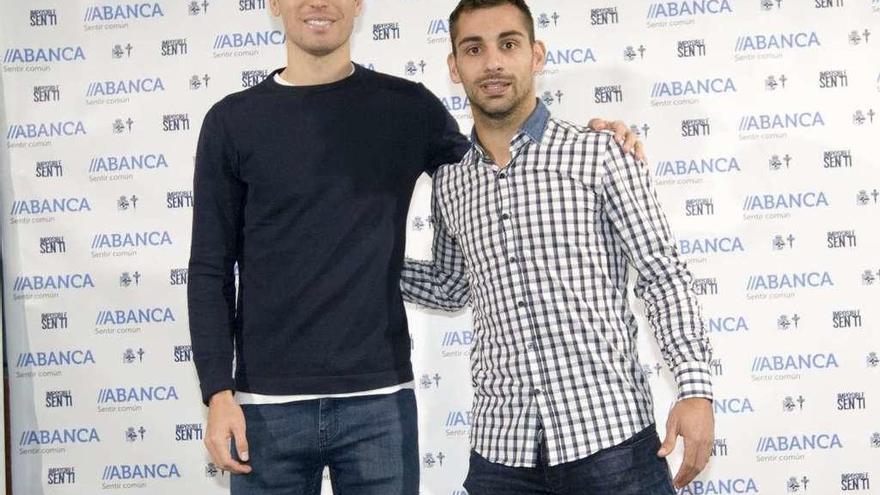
642 50
782 79
555 17
787 159
790 240
206 79
128 48
205 6
422 64
129 122
795 319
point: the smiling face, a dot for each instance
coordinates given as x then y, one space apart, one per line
495 60
317 27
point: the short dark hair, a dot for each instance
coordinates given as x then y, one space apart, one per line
471 5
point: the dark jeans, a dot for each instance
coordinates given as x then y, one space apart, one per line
369 443
631 468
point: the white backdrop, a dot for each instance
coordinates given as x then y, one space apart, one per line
760 119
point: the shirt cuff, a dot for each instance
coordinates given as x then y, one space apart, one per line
694 380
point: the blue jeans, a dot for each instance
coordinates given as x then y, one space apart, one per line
631 468
370 445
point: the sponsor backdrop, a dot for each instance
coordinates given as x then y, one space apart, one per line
760 118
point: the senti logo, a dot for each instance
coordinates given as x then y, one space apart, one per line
41 134
250 78
43 17
49 168
846 319
841 239
188 432
699 207
54 321
174 47
245 43
833 79
59 398
725 486
691 48
43 94
608 94
121 91
837 159
182 353
132 399
251 5
728 324
52 245
386 31
603 16
179 199
854 481
733 406
695 127
825 4
175 122
693 171
61 476
719 448
850 401
122 167
178 276
705 286
126 321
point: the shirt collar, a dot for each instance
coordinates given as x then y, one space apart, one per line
533 128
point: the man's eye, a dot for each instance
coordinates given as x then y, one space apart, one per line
473 50
510 45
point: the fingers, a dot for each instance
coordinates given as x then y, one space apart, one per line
218 447
620 133
629 145
241 443
598 124
668 444
690 464
640 152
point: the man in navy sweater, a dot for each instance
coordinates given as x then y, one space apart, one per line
304 182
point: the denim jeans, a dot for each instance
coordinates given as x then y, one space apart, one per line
370 445
631 468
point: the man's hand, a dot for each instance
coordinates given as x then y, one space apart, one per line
623 135
694 420
226 422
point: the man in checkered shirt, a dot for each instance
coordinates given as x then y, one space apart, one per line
536 227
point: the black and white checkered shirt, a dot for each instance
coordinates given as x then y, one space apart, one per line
541 248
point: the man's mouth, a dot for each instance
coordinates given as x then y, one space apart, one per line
495 86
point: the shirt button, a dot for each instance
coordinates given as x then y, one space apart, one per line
521 304
513 259
536 391
505 216
502 175
530 346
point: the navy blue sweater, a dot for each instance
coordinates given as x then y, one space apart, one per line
307 188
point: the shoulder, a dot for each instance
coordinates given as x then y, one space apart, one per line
562 132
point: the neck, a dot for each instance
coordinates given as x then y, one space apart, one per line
495 133
305 69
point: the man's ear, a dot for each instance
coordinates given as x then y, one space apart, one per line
275 7
358 7
539 56
453 69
